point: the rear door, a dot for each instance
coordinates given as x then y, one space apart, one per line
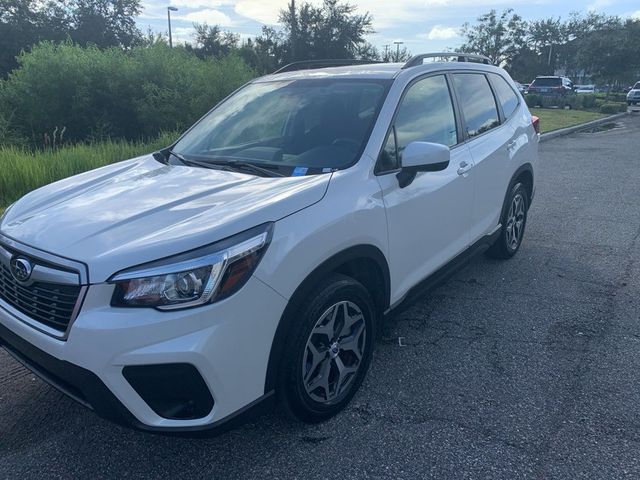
428 220
489 143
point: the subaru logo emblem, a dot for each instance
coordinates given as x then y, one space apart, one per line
21 269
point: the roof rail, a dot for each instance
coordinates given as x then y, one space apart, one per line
314 64
460 57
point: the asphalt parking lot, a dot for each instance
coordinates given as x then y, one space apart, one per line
522 369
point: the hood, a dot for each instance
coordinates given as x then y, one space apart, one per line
141 210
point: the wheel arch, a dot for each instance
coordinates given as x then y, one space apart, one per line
365 263
524 174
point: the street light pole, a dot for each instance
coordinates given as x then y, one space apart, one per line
397 44
169 10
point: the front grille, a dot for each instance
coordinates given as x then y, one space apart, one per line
48 303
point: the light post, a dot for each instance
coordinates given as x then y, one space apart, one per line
169 10
397 44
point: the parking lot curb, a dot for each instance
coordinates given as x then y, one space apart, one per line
583 126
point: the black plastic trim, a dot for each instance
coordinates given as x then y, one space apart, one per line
174 391
86 388
444 273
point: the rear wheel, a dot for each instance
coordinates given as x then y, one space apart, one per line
514 221
330 348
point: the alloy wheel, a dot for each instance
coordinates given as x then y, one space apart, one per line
515 222
334 352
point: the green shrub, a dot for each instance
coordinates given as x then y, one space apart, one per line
589 101
532 100
613 107
98 94
611 97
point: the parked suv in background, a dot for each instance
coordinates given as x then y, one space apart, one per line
633 97
551 86
255 258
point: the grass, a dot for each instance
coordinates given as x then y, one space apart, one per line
23 170
555 118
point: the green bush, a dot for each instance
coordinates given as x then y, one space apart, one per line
613 107
589 101
98 94
611 97
532 100
24 169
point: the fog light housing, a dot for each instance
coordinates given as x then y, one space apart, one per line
175 391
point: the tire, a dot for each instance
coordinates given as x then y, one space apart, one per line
514 213
321 341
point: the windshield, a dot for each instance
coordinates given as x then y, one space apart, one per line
636 86
547 82
298 127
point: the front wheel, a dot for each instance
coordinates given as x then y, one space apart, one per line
329 350
514 221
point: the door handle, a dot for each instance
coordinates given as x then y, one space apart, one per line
464 167
511 144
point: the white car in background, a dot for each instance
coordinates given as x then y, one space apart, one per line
633 96
585 89
255 258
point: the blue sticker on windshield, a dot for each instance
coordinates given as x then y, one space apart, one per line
299 171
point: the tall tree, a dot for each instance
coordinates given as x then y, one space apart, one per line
106 23
26 22
212 41
498 37
332 30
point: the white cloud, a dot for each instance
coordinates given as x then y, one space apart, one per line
263 11
182 34
199 3
440 32
635 15
599 5
210 16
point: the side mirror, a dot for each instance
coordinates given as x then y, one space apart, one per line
422 157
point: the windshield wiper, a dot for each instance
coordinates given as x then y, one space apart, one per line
247 166
229 164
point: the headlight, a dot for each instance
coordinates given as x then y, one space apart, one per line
194 278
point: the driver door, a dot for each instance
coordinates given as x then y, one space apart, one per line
428 220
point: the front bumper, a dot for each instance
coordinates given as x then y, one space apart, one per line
228 343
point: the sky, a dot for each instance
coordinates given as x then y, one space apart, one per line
423 25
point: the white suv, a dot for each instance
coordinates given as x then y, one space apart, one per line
255 258
633 96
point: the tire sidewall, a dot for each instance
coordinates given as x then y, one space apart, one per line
298 401
517 188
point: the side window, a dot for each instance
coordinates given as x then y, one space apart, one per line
477 102
506 96
426 115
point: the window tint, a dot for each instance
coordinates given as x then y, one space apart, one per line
477 102
506 96
426 115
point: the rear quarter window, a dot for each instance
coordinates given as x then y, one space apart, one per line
506 96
